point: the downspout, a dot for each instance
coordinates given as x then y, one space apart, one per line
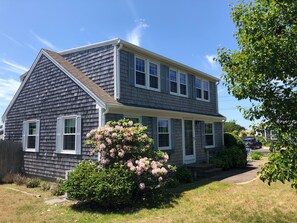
119 46
217 102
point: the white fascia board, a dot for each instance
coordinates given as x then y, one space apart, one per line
146 52
132 110
169 61
27 75
42 52
82 86
90 46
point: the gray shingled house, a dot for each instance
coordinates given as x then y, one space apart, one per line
64 95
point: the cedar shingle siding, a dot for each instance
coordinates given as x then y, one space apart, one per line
49 93
97 64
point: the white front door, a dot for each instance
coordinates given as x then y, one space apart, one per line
189 150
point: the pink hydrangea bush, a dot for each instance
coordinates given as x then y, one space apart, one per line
127 143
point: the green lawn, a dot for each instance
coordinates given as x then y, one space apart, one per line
202 201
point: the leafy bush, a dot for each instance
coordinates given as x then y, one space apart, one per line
45 186
105 186
58 189
19 179
32 182
183 174
233 155
256 155
125 149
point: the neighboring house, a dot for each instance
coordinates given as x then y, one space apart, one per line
64 95
1 132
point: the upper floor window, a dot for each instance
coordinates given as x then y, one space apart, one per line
202 89
68 134
183 83
178 82
31 135
173 81
147 74
140 72
163 134
209 135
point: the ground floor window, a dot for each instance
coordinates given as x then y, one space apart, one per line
209 135
163 134
134 119
31 135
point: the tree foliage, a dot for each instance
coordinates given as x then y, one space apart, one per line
264 69
232 126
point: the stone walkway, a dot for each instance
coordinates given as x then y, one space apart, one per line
241 176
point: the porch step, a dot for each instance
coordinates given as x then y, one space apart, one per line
202 170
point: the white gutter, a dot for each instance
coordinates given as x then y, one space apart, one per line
118 86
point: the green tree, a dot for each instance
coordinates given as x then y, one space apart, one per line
264 69
232 126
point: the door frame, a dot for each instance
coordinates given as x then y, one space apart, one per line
187 159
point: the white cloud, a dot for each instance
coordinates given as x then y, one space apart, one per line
32 47
210 60
14 67
82 29
44 41
12 39
8 89
135 35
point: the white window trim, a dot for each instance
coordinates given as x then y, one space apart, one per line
213 135
147 74
62 150
132 116
178 83
26 134
202 89
169 133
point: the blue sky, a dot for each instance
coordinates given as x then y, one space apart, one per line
187 31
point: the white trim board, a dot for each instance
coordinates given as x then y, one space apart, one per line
42 52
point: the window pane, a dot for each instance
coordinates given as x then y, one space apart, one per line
69 126
205 85
153 69
206 97
153 82
182 78
140 65
209 140
173 87
208 128
163 140
140 78
172 74
32 128
183 89
69 142
198 92
163 126
134 120
31 142
198 83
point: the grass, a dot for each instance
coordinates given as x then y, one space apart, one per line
201 201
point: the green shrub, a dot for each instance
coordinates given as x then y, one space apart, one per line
256 155
172 183
32 183
58 189
19 179
45 185
230 157
231 140
183 174
106 186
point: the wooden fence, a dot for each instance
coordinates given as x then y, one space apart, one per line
11 158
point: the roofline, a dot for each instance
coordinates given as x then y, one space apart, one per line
42 52
90 46
113 108
143 51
